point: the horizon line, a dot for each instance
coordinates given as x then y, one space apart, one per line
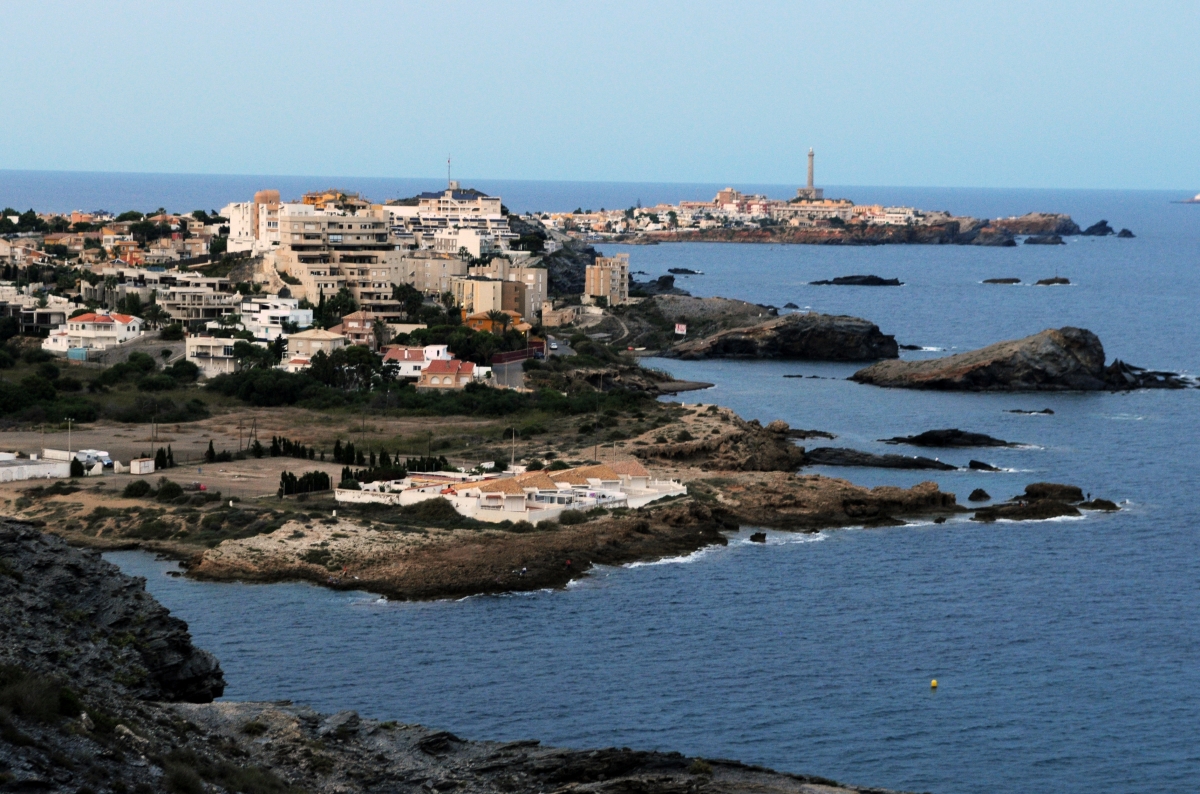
572 181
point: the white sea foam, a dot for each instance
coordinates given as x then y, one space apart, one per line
686 558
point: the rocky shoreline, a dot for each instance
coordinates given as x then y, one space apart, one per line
102 690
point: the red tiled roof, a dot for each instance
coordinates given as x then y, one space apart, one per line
123 319
451 367
404 354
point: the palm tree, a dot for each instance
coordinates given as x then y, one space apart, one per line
499 318
379 330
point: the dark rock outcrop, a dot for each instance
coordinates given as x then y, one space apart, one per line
815 337
952 437
790 305
1125 234
1039 223
1099 229
663 285
859 281
979 495
684 271
758 537
979 465
1066 359
1002 281
1040 501
837 456
1045 411
1044 239
67 611
1053 282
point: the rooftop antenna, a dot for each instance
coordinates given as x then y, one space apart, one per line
448 180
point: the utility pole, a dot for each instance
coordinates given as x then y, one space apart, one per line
69 421
513 460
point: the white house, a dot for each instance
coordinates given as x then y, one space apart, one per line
93 331
410 361
265 315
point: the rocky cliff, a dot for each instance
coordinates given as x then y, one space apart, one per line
816 337
1066 359
83 647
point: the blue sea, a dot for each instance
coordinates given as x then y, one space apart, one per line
1067 652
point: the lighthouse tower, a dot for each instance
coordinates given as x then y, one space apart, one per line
810 193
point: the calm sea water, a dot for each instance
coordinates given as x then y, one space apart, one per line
1067 652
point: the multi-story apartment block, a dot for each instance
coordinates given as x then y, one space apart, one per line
254 225
608 278
416 222
532 277
265 316
475 295
316 247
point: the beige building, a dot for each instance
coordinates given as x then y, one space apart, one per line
319 247
307 344
608 278
213 355
433 274
475 295
533 279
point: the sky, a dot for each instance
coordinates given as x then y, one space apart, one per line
967 94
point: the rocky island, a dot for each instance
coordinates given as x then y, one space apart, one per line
1064 359
815 337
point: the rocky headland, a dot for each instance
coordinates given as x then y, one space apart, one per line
102 690
816 337
1064 359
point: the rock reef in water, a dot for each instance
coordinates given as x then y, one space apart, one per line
838 456
952 437
1044 239
815 337
1125 234
1043 500
859 281
1066 359
1002 281
1053 282
1098 229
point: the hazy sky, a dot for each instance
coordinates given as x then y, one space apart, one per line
1008 94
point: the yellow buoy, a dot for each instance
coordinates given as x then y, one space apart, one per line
933 684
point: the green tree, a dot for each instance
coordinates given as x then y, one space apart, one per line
410 299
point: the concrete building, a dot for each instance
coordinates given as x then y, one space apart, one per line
608 278
474 242
534 279
93 331
317 247
265 316
359 329
434 274
416 222
254 225
315 340
452 374
476 295
213 355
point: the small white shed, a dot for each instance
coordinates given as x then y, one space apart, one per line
141 466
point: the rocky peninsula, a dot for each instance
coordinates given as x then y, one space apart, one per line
101 689
1064 359
814 337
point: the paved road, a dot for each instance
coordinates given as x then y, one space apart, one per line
563 348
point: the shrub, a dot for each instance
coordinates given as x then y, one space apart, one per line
142 362
35 698
68 384
572 517
558 465
48 371
159 382
684 435
76 467
172 333
700 767
136 489
6 361
37 356
535 465
168 490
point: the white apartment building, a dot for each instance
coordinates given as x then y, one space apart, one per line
254 225
264 316
93 331
416 223
455 239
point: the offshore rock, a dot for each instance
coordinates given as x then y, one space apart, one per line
815 337
860 281
67 611
1066 359
979 465
952 437
837 456
1125 234
1100 229
1044 239
979 495
1053 282
1002 281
